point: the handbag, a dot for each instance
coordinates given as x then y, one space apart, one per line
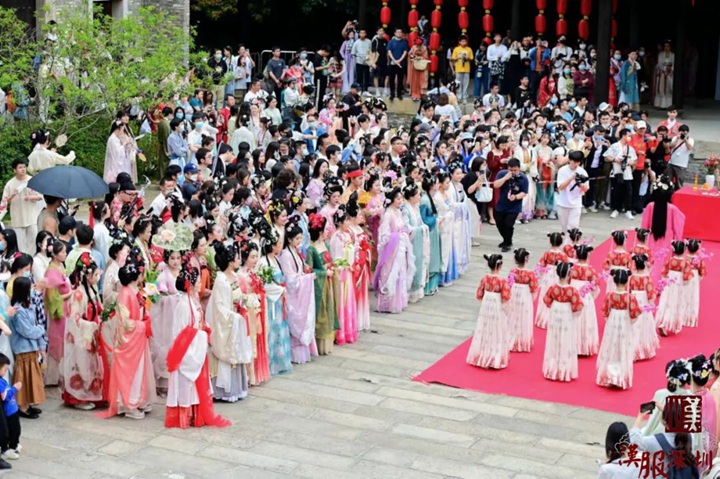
484 194
420 64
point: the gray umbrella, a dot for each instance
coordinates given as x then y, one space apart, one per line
68 182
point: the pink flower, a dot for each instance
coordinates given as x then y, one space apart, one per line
511 280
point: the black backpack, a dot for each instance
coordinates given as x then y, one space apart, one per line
687 472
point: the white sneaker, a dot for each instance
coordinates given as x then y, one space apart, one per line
614 214
18 449
592 209
10 454
86 406
585 211
604 207
629 215
552 216
147 408
135 414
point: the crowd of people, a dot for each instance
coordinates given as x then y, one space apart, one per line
287 198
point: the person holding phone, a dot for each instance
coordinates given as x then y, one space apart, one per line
681 149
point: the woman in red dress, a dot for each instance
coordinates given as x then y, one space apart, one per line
641 287
549 277
497 160
523 290
584 277
676 272
618 257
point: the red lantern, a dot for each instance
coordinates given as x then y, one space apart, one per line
561 27
413 18
562 7
540 24
613 28
463 20
435 18
585 7
463 3
412 36
434 42
414 2
488 24
434 62
541 4
488 4
385 16
614 6
584 29
438 3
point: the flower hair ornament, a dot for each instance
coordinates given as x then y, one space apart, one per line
237 225
189 274
410 189
315 221
119 236
702 368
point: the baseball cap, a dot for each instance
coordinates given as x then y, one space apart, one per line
603 106
355 86
190 168
640 125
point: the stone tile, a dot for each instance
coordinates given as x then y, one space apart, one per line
444 437
334 393
228 437
582 463
337 380
516 464
351 420
309 471
370 357
301 399
376 470
551 419
176 462
572 447
177 444
242 472
304 456
536 452
396 322
249 459
458 469
429 398
267 405
394 457
321 443
117 448
110 428
107 466
428 410
532 405
49 470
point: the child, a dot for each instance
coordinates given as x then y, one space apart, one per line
523 290
692 288
641 246
615 359
619 257
560 362
11 442
575 236
641 287
27 341
677 271
583 276
491 341
549 278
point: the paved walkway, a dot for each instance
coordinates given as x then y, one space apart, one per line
353 415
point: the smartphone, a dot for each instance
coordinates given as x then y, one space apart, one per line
647 407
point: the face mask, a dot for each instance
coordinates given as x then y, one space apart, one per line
305 153
525 144
218 57
180 116
630 128
582 46
312 125
598 137
605 125
582 68
2 246
566 71
303 56
26 274
553 101
199 125
617 57
578 137
572 104
641 53
193 177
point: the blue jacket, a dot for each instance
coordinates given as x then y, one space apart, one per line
544 57
10 405
27 335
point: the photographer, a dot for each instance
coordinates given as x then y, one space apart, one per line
623 159
681 148
513 186
572 183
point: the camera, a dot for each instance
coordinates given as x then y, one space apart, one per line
579 180
683 135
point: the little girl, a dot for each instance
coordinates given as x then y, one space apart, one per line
581 276
615 360
549 278
560 362
490 343
641 287
641 246
619 257
524 289
676 272
575 236
692 288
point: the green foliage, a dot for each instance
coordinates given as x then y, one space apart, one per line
17 49
215 9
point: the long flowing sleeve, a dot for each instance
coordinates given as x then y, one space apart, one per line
227 325
428 218
677 220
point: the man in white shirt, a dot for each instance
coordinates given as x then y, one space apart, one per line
158 205
23 204
681 148
623 159
560 54
494 100
571 190
497 52
360 51
257 93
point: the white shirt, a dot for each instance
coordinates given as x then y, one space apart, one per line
496 53
499 100
618 150
615 470
23 213
566 197
680 154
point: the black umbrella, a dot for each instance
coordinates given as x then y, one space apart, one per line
68 182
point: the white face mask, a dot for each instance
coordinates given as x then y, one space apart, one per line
525 144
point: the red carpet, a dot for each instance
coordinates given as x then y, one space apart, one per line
523 376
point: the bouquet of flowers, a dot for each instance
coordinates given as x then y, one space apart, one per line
266 274
712 164
252 301
151 292
341 264
108 313
151 277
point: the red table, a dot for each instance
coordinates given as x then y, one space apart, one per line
702 211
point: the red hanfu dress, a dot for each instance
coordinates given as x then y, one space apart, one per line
646 338
671 312
581 276
520 317
617 351
560 361
547 280
490 346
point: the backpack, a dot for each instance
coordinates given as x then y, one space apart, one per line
687 472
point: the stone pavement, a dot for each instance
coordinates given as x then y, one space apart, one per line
353 415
